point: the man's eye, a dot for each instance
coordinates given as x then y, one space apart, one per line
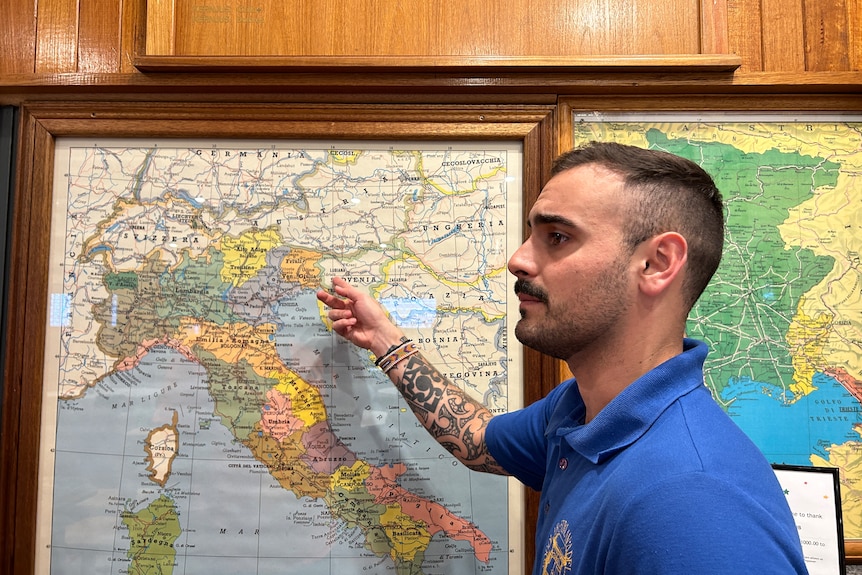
556 238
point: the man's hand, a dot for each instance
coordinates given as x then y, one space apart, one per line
359 318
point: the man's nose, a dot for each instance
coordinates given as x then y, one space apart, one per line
520 263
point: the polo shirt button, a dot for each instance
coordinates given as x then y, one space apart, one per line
547 507
564 463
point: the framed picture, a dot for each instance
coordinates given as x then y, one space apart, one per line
814 496
781 313
181 399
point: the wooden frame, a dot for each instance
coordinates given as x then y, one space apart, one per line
534 127
803 105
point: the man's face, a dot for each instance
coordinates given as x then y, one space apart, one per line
573 271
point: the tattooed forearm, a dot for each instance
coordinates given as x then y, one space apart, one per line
422 386
455 419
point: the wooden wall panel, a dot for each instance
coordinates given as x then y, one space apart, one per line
386 26
132 32
783 33
744 33
422 28
99 28
17 36
161 39
461 29
854 22
57 36
713 27
826 36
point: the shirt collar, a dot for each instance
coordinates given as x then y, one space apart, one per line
633 411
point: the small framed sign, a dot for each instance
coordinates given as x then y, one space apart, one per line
815 500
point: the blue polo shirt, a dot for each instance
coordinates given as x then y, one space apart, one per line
660 482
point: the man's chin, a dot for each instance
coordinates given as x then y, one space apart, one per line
524 334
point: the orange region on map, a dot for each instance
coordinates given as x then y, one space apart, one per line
161 445
300 267
233 342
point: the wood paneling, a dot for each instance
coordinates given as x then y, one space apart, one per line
796 35
854 22
99 36
783 32
17 36
102 36
713 28
744 33
132 33
438 28
57 36
161 39
826 35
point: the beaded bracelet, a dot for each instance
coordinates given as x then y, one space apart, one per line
401 353
380 359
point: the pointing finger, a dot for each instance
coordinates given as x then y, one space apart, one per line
330 300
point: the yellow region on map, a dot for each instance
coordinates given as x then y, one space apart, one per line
246 255
351 478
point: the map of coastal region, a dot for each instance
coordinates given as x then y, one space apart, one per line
200 414
783 315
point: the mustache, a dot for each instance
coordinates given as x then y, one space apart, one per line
526 288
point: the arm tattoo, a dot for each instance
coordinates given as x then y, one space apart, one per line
455 419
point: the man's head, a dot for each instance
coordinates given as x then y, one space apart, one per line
614 225
664 193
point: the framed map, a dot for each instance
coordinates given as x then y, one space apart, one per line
198 413
783 314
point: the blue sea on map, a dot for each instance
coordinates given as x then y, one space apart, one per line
778 426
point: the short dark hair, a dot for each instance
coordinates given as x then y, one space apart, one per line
670 193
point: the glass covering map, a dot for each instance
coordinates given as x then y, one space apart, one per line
199 414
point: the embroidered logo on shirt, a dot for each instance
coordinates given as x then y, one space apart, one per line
557 558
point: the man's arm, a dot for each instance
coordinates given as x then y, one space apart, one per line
452 417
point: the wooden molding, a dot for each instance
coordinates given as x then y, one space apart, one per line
712 63
399 86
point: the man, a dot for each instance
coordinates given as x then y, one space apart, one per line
640 471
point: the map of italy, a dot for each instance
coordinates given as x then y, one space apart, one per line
782 313
206 415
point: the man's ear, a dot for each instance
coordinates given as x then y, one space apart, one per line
662 258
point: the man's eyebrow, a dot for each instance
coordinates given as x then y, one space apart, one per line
548 219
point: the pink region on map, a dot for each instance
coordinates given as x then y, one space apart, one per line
851 384
278 419
381 484
324 452
130 362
